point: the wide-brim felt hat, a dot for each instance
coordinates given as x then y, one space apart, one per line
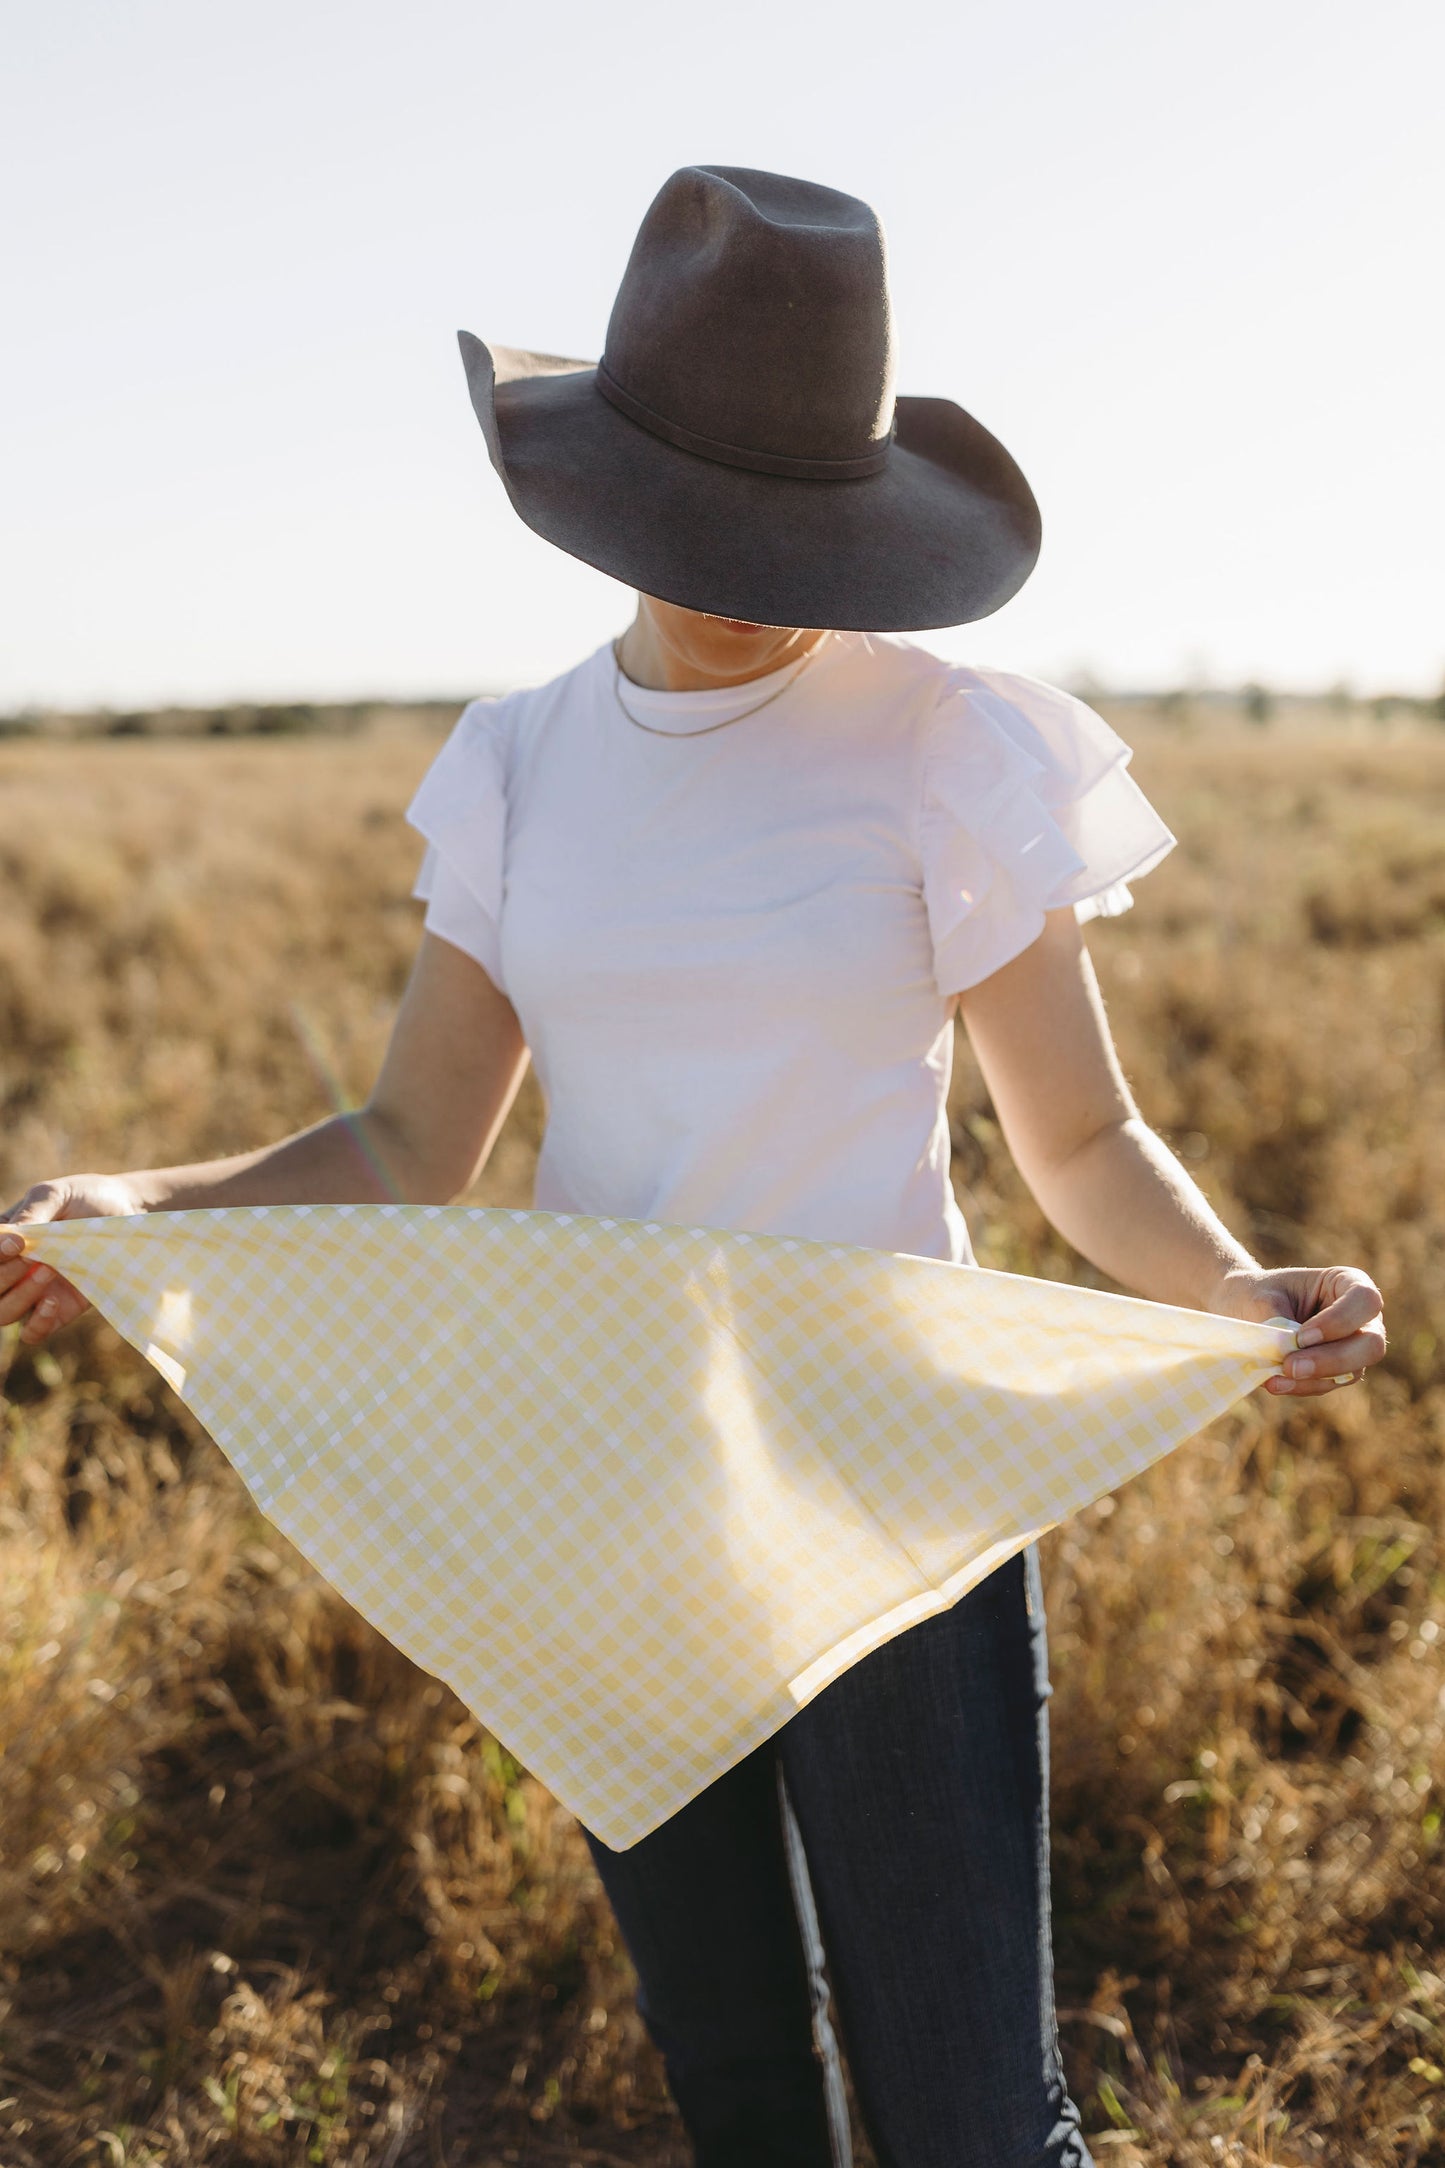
739 448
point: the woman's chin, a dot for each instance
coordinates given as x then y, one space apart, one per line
727 648
732 642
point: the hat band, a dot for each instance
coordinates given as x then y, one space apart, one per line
737 455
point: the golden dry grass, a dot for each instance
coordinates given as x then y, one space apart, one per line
268 1896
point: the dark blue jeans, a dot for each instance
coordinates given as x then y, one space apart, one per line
905 1813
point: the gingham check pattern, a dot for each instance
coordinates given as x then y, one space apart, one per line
639 1492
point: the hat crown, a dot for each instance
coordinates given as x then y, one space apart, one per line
754 314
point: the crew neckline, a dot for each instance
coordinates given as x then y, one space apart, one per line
689 709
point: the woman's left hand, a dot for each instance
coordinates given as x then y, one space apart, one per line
1339 1308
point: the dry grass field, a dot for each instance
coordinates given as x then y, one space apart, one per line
269 1896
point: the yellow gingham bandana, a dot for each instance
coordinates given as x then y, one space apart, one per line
637 1493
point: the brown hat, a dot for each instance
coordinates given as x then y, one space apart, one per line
739 448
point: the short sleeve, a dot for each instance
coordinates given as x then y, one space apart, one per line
1028 805
461 810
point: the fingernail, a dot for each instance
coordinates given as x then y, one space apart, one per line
1305 1369
1284 1385
1311 1336
10 1245
41 1274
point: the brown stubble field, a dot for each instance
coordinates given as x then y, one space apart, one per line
267 1895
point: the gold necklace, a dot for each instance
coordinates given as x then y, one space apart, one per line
707 728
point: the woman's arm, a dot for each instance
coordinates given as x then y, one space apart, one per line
451 1071
1112 1187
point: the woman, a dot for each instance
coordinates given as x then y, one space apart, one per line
728 884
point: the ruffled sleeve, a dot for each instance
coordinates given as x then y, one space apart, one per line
461 809
1028 805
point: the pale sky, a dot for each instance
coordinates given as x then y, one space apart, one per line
1183 256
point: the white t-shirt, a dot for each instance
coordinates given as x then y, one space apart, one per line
731 953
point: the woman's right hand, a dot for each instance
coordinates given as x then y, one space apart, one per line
36 1292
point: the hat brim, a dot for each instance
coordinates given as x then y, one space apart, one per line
944 533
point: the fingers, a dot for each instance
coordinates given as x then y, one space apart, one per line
14 1264
14 1268
30 1290
1356 1303
37 1294
1338 1342
1316 1388
25 1284
59 1304
1332 1358
44 1301
1320 1368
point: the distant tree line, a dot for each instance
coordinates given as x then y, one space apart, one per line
1258 704
243 719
